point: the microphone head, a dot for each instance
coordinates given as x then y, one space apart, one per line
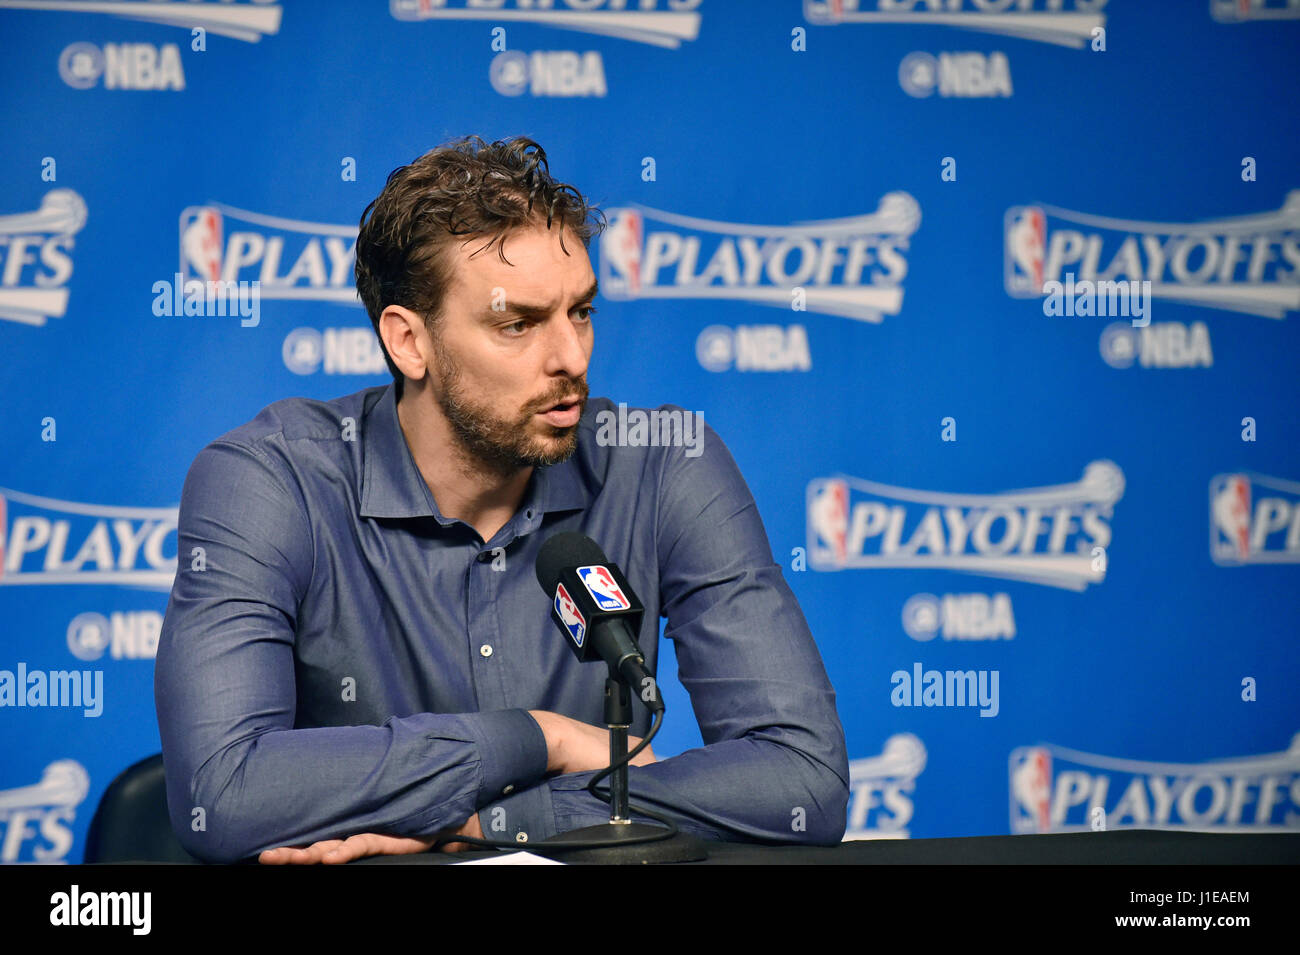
568 549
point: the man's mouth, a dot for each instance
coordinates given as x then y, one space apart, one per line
565 413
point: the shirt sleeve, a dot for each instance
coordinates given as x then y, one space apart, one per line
774 767
240 777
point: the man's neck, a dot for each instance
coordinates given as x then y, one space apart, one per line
462 487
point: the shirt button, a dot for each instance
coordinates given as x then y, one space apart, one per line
521 837
528 514
485 650
508 790
484 556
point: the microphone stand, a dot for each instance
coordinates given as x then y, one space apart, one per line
679 848
618 717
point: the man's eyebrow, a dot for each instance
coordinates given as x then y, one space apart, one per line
523 308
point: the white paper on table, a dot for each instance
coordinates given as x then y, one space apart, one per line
512 858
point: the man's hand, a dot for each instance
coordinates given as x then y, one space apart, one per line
571 747
334 851
574 747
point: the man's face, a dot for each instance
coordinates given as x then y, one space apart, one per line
511 348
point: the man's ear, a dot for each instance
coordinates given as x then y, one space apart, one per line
407 340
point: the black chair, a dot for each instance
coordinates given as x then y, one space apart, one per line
131 823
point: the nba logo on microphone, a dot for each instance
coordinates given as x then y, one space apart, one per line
570 615
604 590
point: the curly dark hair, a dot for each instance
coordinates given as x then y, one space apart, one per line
464 188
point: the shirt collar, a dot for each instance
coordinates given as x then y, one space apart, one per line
392 485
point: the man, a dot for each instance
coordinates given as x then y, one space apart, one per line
356 656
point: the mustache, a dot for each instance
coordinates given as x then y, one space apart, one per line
561 390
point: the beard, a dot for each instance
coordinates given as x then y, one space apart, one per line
504 446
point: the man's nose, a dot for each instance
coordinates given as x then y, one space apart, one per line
567 350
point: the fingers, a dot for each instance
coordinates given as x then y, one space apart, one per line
330 852
353 847
291 855
373 844
338 851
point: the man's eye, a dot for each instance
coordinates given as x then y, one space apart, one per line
515 329
586 312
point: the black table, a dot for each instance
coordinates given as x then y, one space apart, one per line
1118 847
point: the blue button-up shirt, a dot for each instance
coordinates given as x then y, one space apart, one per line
338 657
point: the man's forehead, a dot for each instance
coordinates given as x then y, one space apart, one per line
535 242
536 266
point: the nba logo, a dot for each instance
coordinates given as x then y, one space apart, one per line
828 515
201 238
620 252
570 615
1230 508
1031 787
1026 240
603 589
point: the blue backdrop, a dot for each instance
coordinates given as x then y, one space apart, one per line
994 302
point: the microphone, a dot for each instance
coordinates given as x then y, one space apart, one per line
595 608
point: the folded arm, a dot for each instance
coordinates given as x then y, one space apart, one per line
774 767
240 777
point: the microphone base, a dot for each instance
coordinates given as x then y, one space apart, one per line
680 848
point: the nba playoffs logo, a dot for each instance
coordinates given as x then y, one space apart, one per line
663 23
36 819
1254 519
1246 264
1054 789
1239 11
852 267
1060 22
291 259
1055 535
881 789
570 615
603 588
45 541
240 21
38 260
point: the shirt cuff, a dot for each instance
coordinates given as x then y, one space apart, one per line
511 750
551 808
524 817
